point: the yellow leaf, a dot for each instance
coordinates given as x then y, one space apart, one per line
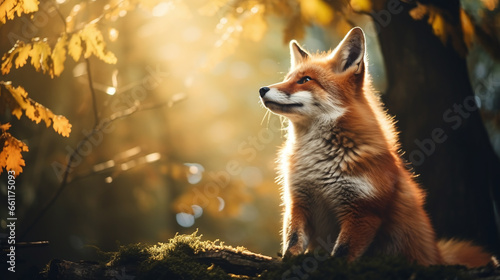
490 4
15 160
4 127
467 28
59 56
439 26
3 153
3 159
419 11
33 113
18 101
8 101
316 11
94 44
10 157
7 60
75 47
30 6
362 5
9 8
6 64
23 54
62 125
39 53
21 50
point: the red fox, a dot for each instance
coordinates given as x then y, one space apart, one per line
341 173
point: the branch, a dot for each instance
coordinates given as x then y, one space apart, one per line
61 269
5 246
98 128
60 16
92 92
238 263
246 265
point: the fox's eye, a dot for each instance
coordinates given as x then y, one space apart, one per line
303 80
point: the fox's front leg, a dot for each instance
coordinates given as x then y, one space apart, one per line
357 231
295 233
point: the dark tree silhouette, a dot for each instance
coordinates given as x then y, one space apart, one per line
430 93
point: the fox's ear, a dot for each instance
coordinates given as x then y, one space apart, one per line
297 53
349 54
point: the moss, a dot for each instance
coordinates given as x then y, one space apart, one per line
171 260
175 260
308 267
129 254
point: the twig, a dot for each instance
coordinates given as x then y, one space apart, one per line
61 186
61 16
98 128
29 244
92 91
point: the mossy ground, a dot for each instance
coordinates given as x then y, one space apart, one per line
305 267
175 260
172 260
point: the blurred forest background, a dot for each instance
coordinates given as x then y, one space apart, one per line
167 134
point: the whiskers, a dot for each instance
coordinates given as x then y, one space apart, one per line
268 116
283 122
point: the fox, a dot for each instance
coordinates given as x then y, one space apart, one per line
343 181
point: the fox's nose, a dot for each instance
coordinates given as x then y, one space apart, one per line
263 91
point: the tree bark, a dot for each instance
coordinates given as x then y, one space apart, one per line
442 133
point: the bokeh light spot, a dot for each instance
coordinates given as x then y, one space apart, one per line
222 203
194 172
161 9
111 90
197 210
184 219
113 34
152 157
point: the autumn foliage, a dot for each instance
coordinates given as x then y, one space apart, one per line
85 42
240 20
10 156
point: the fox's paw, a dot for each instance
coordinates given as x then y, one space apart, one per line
296 245
293 251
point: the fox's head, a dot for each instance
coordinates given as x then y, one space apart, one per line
319 86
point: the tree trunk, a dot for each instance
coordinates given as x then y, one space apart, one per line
442 132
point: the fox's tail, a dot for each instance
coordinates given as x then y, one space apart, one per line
464 253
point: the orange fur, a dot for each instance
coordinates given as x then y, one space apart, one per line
463 252
341 172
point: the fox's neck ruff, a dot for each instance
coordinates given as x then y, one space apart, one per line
323 143
352 140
